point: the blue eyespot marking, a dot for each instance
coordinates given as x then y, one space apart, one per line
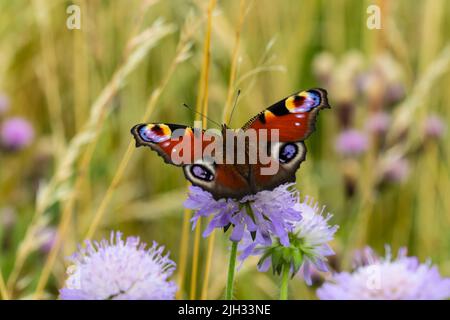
304 101
155 133
288 152
315 98
201 172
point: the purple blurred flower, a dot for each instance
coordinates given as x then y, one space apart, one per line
364 257
378 123
351 142
308 248
16 133
395 92
386 279
270 213
119 270
396 170
4 103
435 127
47 238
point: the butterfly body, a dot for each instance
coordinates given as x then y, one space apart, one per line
264 153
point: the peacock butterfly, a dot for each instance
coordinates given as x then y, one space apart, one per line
234 165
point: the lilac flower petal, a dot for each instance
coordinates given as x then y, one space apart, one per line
238 232
312 230
16 133
403 278
264 267
119 269
351 142
273 213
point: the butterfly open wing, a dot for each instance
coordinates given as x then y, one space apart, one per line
171 141
294 118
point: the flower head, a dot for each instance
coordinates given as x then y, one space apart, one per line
351 142
119 270
435 127
396 170
16 133
388 279
308 247
378 123
259 215
46 238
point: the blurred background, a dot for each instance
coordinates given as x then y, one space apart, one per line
75 79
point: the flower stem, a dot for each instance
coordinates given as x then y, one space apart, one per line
231 270
284 283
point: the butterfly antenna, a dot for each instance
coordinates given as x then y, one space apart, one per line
234 106
203 115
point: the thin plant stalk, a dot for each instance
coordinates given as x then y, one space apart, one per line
195 259
226 115
3 291
50 76
234 60
209 254
284 283
231 271
202 107
184 246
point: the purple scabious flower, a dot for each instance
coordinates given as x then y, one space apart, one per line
46 238
351 143
378 123
119 270
404 278
309 244
364 257
16 133
435 127
396 170
259 215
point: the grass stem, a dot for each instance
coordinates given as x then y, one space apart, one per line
231 271
284 283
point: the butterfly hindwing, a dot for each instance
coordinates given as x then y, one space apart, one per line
289 156
222 180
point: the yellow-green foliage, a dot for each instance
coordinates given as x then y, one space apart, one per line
135 61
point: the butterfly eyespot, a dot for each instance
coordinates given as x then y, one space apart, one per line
155 133
314 97
299 99
201 172
287 152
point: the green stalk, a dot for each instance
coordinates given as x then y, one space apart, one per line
231 270
284 283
